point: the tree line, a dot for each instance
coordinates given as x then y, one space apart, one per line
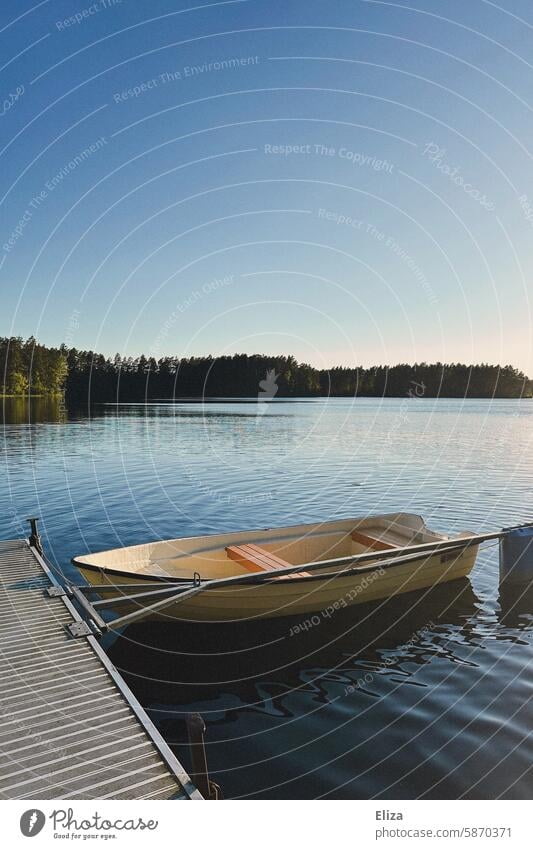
29 368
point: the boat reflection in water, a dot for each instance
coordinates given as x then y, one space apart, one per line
401 699
237 657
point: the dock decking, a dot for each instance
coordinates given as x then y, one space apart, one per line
70 728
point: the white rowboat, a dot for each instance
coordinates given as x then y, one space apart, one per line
277 571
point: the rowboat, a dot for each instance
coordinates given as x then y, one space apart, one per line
298 570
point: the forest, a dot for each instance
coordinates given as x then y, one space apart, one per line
29 368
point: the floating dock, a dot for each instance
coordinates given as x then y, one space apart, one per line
70 728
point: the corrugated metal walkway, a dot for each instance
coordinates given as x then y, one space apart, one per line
69 726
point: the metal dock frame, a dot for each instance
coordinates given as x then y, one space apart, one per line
70 727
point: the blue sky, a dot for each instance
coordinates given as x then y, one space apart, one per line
350 182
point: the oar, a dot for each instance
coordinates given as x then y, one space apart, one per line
124 598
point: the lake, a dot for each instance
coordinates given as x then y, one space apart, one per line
428 696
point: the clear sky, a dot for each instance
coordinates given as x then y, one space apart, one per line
346 181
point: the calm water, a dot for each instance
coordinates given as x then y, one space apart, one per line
428 697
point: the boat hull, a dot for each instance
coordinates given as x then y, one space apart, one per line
319 594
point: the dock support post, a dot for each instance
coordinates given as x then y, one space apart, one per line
200 772
35 539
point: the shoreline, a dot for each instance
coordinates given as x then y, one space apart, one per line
236 399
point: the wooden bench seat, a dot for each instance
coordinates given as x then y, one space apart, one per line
256 559
372 542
